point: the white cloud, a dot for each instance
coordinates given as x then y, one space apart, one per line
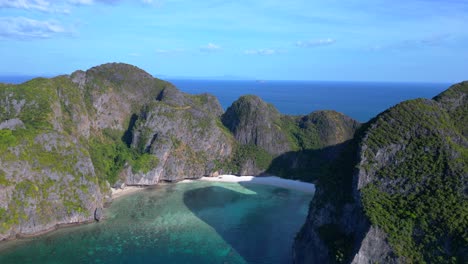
315 43
210 48
82 2
24 28
40 5
261 52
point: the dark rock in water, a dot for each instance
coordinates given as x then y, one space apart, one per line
98 214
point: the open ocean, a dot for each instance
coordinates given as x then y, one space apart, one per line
359 100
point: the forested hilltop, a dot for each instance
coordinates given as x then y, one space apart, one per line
65 141
405 190
390 190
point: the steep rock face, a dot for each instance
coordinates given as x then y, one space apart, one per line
252 121
331 127
318 139
115 91
185 134
289 146
62 141
404 202
46 174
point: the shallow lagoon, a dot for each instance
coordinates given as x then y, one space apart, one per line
197 222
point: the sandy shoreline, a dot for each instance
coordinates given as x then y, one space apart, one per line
267 180
116 193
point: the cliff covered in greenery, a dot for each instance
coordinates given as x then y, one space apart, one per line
406 200
288 146
393 190
64 141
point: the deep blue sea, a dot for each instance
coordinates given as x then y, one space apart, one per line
359 100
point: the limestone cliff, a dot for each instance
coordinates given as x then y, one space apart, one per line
288 146
252 121
406 199
46 174
185 134
64 140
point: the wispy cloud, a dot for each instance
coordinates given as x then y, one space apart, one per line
36 5
81 2
210 47
22 28
40 5
315 43
261 52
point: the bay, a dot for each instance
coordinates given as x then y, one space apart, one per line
198 222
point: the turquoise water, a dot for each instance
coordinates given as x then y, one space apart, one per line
198 222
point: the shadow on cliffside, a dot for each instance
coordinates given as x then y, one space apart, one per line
309 165
254 228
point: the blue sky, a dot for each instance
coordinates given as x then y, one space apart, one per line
365 40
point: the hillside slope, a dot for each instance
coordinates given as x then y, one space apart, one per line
406 201
65 140
298 147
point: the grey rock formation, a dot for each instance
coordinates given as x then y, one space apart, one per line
252 121
98 214
396 138
12 124
185 133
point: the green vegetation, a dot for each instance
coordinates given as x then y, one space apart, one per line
455 101
109 158
300 138
7 139
424 210
144 163
261 158
3 179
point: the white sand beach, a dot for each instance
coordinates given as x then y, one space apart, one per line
116 193
267 180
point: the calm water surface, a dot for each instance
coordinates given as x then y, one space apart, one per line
359 100
199 222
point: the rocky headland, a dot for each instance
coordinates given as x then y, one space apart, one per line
393 190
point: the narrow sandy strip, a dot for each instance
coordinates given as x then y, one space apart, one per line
267 180
116 193
270 180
